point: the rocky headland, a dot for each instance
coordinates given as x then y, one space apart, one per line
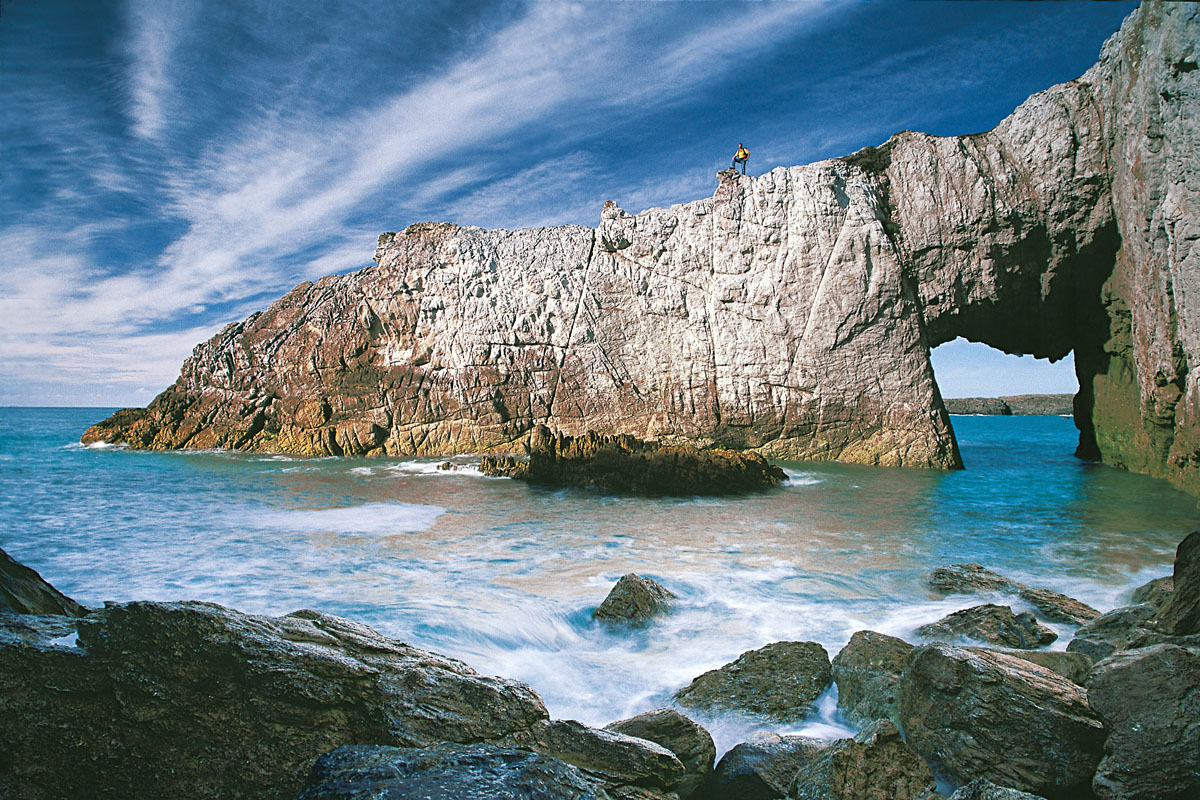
193 700
1062 405
792 313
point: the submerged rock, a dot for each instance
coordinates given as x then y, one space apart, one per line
780 681
1149 699
972 578
614 758
974 713
874 765
763 768
192 699
867 672
625 464
992 624
689 741
634 599
1181 615
22 591
461 772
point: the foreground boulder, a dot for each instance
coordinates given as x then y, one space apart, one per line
461 772
763 768
617 760
1114 631
1181 615
1075 667
974 713
992 624
196 700
690 743
867 671
1149 699
624 464
22 591
875 764
635 600
972 578
780 681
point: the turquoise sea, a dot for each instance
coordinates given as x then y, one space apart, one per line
505 576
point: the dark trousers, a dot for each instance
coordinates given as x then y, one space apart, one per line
741 161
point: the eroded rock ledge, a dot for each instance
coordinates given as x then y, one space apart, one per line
792 312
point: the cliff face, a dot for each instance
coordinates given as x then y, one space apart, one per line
792 312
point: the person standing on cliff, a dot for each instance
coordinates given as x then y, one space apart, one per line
741 157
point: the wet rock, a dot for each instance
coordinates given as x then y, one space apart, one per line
1113 631
461 772
975 713
1181 615
983 789
763 768
192 699
614 758
625 464
634 599
780 681
867 671
972 578
1149 699
38 630
874 765
1156 592
992 624
1072 666
689 741
22 591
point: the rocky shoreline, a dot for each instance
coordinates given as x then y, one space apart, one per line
192 699
1058 405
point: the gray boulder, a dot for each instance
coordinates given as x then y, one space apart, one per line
192 699
874 765
22 591
1156 592
975 713
634 599
1149 699
690 743
867 671
1181 615
1113 631
983 789
992 624
763 768
972 578
613 758
461 772
780 681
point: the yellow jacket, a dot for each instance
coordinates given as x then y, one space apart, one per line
742 153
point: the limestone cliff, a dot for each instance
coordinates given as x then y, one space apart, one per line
791 312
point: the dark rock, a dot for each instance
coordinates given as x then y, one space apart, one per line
971 578
470 772
614 758
634 599
992 624
975 713
23 591
1058 405
1181 616
874 765
1149 699
40 630
780 681
1113 631
192 699
867 671
1156 592
1072 666
983 789
621 463
764 768
690 743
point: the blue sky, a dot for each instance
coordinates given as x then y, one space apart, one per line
169 166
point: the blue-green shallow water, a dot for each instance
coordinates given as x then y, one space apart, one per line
505 576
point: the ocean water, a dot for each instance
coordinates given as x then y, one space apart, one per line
505 576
